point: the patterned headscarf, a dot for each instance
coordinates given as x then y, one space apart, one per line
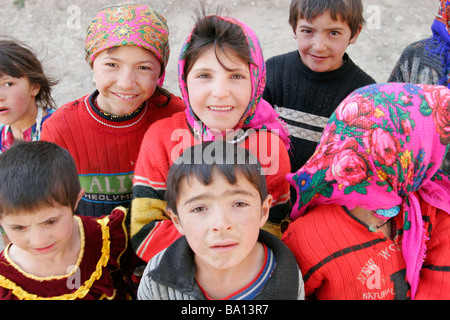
441 31
259 113
128 25
382 148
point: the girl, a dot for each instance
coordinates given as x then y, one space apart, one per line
127 47
222 77
25 94
372 201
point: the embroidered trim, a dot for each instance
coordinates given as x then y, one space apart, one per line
86 103
84 289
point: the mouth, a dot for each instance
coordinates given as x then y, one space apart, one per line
44 249
126 96
2 109
224 246
318 58
220 108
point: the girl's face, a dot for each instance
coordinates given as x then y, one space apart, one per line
125 78
18 101
219 97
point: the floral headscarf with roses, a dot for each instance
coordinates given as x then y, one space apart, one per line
382 148
259 113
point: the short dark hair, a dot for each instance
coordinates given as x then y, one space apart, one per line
350 11
200 160
17 60
214 31
35 175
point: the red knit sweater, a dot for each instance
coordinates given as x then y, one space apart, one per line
162 145
340 258
105 151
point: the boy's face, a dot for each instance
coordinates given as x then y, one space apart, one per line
221 221
43 234
323 42
125 78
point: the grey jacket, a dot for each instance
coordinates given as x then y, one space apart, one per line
170 275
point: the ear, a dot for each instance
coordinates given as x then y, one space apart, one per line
265 209
80 195
35 88
355 37
176 221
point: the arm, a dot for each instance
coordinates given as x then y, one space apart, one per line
274 158
151 228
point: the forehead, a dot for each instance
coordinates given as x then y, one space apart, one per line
228 57
191 187
128 53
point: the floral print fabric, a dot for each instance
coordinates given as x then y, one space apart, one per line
128 25
382 148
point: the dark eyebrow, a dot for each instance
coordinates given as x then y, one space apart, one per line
206 195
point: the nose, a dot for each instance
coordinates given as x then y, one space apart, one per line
320 43
220 87
221 220
126 78
38 238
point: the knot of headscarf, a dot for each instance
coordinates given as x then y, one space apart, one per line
259 114
382 148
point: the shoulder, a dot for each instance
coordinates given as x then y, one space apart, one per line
314 225
357 74
68 109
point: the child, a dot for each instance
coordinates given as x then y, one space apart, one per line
221 76
219 204
53 254
305 86
127 47
427 61
372 216
25 94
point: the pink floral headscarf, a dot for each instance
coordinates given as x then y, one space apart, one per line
128 25
259 113
382 148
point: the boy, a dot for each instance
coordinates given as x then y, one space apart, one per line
306 85
54 254
219 205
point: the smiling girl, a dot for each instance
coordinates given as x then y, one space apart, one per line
222 77
127 47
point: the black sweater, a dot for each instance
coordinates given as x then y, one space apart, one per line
306 99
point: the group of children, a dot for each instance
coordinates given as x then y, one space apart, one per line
318 184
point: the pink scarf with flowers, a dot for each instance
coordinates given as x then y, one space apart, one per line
382 148
259 113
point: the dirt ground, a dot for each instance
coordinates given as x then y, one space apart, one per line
55 29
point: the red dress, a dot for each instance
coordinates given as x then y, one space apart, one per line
104 248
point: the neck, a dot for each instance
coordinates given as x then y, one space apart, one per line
221 283
374 223
25 123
